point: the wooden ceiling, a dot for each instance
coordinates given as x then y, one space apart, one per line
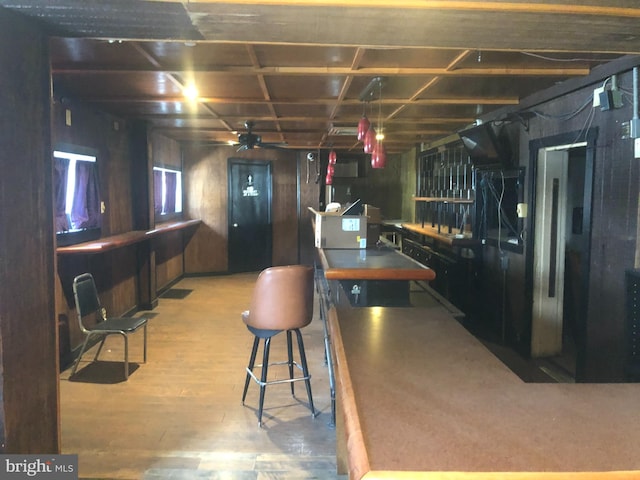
298 69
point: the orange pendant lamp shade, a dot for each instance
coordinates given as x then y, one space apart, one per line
363 126
333 157
370 140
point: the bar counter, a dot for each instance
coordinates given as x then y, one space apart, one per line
376 263
420 397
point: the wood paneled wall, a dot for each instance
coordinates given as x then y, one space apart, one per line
206 189
382 188
613 229
614 223
29 396
169 257
116 271
169 249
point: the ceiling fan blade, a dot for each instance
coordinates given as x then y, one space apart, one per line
273 145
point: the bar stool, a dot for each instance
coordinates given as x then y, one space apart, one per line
282 301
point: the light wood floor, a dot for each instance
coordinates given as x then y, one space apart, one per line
180 415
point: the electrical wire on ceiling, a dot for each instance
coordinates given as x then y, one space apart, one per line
575 59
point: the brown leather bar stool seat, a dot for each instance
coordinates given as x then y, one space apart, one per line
282 302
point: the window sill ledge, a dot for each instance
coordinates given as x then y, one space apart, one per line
124 239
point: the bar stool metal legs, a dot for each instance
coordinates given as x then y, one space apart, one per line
291 363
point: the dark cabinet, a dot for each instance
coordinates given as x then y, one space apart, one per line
455 273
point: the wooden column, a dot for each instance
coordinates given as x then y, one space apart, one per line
29 397
142 189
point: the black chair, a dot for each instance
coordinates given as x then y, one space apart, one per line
88 307
282 301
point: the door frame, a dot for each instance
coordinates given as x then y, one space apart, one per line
565 139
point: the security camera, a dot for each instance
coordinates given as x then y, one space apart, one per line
311 156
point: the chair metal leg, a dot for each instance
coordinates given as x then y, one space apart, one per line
290 360
77 362
252 362
126 356
145 344
305 371
104 337
263 377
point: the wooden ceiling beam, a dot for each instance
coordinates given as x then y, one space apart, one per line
310 101
361 72
348 120
251 51
452 65
601 8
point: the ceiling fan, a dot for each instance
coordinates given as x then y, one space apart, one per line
249 140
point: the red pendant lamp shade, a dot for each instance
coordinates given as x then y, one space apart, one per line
328 180
370 140
333 157
330 170
379 156
363 126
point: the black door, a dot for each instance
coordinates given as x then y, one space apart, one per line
249 215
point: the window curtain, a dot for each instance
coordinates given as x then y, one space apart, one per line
85 212
170 179
157 191
60 175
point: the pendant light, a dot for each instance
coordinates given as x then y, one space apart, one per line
363 125
370 140
333 157
330 169
328 180
379 154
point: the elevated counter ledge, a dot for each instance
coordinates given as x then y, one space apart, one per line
124 239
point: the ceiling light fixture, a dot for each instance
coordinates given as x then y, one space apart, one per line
363 124
369 139
190 92
379 154
333 157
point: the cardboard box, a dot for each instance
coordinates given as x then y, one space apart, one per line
333 230
373 234
372 213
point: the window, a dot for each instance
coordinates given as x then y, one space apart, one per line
167 184
77 200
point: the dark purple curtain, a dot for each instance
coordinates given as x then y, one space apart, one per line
60 175
93 198
157 191
170 179
85 212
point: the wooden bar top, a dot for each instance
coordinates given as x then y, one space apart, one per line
124 239
456 239
420 397
377 263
